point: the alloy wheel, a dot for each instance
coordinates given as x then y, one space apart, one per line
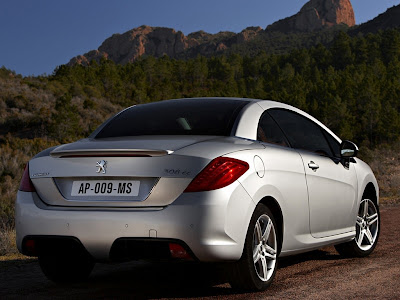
264 247
367 225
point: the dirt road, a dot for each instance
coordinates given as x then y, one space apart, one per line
320 274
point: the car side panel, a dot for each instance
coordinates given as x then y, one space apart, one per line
283 180
365 176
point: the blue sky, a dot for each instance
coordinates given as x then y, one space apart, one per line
38 35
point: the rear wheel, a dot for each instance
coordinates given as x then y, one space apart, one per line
66 268
257 267
367 231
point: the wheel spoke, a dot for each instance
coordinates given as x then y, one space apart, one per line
264 267
359 221
372 219
269 256
360 238
270 250
258 232
267 230
256 254
365 208
368 234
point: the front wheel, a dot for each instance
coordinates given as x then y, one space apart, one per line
257 267
367 231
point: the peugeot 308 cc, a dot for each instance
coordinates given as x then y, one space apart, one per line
241 181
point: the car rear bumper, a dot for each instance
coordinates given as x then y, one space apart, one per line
211 224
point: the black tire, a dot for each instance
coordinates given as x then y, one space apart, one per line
66 268
367 231
248 273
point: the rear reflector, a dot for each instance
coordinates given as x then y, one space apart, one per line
26 182
29 247
219 173
177 251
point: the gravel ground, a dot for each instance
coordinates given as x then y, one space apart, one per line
321 274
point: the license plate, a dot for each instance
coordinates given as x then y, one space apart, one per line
105 188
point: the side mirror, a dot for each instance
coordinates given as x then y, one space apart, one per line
348 149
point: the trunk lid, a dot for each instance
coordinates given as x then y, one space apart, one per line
99 173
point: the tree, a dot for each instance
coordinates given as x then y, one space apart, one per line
341 51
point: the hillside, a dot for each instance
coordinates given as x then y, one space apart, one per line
387 20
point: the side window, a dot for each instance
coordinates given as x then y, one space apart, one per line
335 146
269 132
301 132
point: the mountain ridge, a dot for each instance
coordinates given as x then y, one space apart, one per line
315 18
159 41
387 20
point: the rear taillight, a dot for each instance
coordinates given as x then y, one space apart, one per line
26 182
219 173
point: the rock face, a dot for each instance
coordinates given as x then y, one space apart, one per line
127 47
159 41
317 14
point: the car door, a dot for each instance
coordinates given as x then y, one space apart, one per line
332 184
284 180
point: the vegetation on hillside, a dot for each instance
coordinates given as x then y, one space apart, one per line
352 85
276 42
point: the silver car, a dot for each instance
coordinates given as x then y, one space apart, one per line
241 181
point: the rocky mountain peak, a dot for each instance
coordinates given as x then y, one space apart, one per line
317 14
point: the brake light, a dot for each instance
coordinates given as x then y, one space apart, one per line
26 182
219 173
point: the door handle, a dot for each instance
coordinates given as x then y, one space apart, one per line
312 165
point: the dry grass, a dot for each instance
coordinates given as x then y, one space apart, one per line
385 163
7 242
16 257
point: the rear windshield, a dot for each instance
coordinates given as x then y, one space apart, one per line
176 117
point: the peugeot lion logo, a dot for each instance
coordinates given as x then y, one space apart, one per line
101 165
